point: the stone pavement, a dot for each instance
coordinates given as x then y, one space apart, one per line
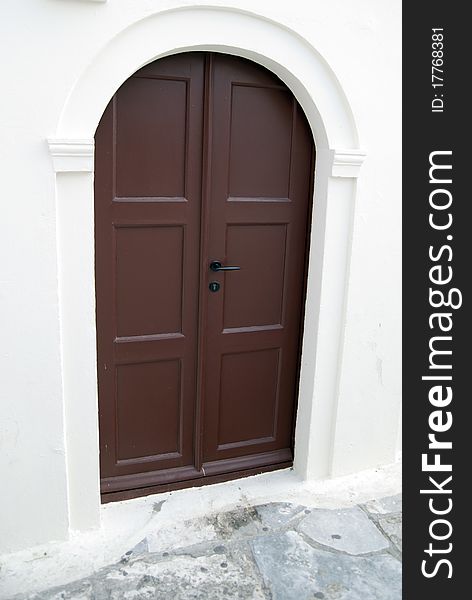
277 551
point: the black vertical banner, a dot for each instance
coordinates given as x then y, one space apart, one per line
437 266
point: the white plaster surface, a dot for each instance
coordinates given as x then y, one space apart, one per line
125 524
48 465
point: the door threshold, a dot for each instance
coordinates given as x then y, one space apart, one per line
189 483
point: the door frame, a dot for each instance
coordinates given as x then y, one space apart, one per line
338 159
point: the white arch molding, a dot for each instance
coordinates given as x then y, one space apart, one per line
339 158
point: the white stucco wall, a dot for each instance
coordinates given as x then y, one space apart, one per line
46 46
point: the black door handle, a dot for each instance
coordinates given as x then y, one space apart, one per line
215 265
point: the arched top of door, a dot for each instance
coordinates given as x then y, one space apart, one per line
273 45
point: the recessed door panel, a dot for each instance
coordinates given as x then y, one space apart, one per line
145 257
249 386
203 178
260 140
253 296
151 119
148 410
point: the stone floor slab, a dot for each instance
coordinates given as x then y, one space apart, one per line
214 577
392 526
349 530
391 504
238 524
294 570
276 515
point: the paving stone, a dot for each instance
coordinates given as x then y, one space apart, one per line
214 577
278 514
392 525
236 524
294 570
82 590
349 530
390 504
141 548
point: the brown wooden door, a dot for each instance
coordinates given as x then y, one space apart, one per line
199 157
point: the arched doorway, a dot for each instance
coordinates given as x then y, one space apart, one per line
202 161
339 157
